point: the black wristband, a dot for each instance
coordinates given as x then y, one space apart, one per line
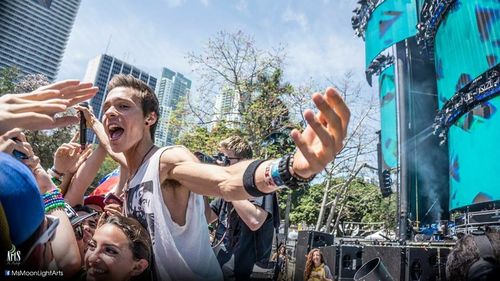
285 175
249 179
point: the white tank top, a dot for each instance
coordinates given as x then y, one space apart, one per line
180 252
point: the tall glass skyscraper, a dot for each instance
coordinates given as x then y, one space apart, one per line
227 106
34 33
171 88
100 70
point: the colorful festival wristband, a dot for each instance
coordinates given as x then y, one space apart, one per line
53 200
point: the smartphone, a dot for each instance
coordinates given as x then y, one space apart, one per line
110 198
18 154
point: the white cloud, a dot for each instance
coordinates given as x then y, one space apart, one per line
291 16
205 2
242 5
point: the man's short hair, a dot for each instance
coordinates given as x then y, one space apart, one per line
238 146
144 93
465 254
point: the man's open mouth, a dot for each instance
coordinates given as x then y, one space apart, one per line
115 132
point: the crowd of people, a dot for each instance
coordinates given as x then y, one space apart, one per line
155 226
160 230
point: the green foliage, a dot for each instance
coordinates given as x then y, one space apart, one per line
266 120
363 203
307 209
45 143
8 78
200 139
107 166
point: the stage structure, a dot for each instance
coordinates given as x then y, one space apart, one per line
467 56
408 104
437 63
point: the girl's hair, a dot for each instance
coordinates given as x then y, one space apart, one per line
310 263
140 243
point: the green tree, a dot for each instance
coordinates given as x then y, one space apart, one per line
231 61
8 78
307 205
267 120
200 139
363 203
108 165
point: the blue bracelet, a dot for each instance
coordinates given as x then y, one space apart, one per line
275 174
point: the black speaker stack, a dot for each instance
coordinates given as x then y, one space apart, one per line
426 263
406 262
350 260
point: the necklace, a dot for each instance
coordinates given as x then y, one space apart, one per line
142 162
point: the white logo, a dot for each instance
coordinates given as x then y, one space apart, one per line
13 256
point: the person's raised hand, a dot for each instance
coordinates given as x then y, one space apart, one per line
323 137
36 110
90 119
113 209
68 157
71 91
7 140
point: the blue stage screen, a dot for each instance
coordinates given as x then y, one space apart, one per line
467 43
474 154
389 138
391 22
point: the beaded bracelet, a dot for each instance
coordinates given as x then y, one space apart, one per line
295 175
53 200
268 177
275 174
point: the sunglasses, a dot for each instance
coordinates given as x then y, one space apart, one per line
224 159
47 235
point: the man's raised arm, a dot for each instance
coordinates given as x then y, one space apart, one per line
317 146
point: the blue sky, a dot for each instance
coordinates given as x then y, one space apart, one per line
152 34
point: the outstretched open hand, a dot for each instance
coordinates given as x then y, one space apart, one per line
323 137
36 110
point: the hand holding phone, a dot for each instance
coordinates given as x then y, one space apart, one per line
110 198
18 154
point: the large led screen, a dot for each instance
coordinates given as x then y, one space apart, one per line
388 118
467 43
391 22
474 155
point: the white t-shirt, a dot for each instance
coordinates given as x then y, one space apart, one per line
180 252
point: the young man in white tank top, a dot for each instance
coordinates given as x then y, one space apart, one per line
165 185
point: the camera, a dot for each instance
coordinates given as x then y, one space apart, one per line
219 159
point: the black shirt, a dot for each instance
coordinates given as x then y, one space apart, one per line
247 246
